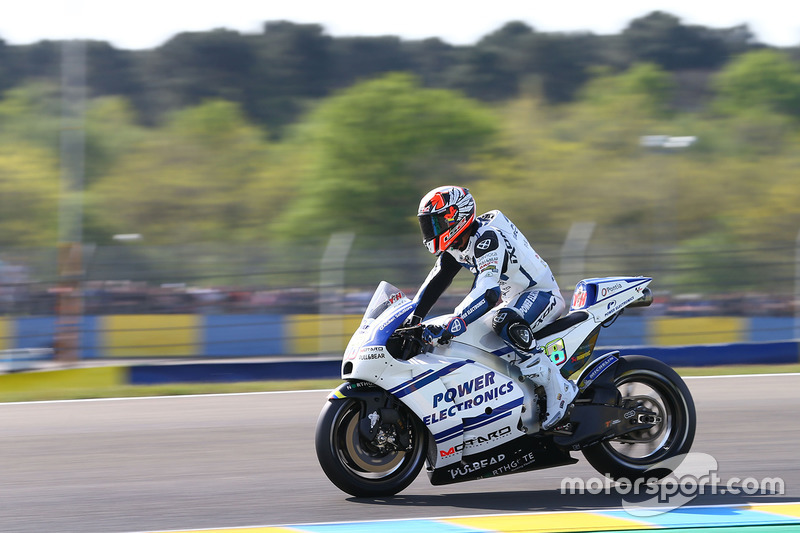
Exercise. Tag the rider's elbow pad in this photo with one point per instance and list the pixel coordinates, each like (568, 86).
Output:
(492, 296)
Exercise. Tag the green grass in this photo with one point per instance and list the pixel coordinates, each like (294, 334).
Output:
(172, 389)
(179, 389)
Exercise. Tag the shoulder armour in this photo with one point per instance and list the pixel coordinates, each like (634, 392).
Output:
(485, 242)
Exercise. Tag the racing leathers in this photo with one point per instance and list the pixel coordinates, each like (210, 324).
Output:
(509, 276)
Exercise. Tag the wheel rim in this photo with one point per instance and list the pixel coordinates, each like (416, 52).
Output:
(650, 391)
(362, 458)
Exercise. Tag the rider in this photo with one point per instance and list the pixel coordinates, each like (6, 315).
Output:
(507, 270)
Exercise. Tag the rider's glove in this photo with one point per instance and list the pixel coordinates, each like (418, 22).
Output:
(442, 334)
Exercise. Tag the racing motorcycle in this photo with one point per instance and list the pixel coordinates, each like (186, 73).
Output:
(466, 410)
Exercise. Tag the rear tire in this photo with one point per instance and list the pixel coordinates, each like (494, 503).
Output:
(650, 383)
(358, 466)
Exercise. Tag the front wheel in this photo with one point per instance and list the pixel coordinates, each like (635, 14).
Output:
(381, 466)
(648, 385)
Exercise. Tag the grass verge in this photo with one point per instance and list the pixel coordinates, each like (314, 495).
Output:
(172, 389)
(182, 389)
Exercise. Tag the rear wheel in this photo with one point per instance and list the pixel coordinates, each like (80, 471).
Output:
(655, 391)
(381, 466)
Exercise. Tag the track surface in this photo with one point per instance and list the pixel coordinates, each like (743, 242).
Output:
(239, 460)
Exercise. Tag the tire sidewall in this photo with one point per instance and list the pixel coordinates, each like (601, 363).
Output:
(613, 466)
(326, 443)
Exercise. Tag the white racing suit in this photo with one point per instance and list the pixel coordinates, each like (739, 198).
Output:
(509, 276)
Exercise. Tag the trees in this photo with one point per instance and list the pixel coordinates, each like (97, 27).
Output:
(375, 148)
(561, 62)
(194, 181)
(292, 66)
(275, 75)
(247, 134)
(764, 80)
(192, 67)
(661, 38)
(29, 187)
(355, 59)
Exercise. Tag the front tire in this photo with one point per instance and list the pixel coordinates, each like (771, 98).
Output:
(362, 467)
(649, 384)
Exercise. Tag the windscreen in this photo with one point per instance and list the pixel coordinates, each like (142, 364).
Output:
(385, 296)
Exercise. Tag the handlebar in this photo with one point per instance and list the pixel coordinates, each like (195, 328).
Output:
(412, 343)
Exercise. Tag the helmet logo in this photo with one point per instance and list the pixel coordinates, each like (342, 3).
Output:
(438, 201)
(450, 216)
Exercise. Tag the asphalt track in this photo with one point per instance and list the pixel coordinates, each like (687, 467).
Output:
(227, 461)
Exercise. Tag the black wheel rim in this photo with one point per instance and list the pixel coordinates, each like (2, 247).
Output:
(360, 457)
(655, 393)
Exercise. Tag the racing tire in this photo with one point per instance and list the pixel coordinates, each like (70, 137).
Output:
(661, 390)
(356, 465)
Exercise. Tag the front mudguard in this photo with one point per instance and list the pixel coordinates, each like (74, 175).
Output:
(356, 389)
(378, 407)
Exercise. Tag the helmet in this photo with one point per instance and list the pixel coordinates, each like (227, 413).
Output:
(445, 214)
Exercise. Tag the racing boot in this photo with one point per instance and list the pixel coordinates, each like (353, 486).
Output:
(559, 392)
(536, 366)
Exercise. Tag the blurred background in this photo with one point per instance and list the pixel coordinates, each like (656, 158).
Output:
(240, 194)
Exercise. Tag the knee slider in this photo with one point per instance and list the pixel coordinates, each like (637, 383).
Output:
(520, 334)
(512, 328)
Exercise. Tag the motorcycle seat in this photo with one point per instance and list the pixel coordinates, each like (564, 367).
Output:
(561, 324)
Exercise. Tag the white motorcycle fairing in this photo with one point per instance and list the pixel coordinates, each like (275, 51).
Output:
(464, 408)
(467, 393)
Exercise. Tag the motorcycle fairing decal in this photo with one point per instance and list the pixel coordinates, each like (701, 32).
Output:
(521, 454)
(486, 421)
(427, 377)
(590, 292)
(503, 351)
(477, 422)
(383, 330)
(603, 296)
(345, 390)
(448, 434)
(497, 414)
(593, 371)
(394, 390)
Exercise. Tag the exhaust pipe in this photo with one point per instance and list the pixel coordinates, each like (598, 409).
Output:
(645, 300)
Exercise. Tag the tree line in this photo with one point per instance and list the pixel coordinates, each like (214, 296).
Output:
(211, 139)
(273, 75)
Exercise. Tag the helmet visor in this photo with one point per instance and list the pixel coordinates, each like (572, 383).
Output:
(432, 226)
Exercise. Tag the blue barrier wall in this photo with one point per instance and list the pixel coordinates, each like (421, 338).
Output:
(39, 332)
(692, 356)
(766, 329)
(244, 335)
(722, 354)
(222, 336)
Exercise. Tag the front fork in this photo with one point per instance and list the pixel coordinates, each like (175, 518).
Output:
(381, 422)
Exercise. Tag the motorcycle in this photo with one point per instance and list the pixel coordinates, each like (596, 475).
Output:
(467, 411)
